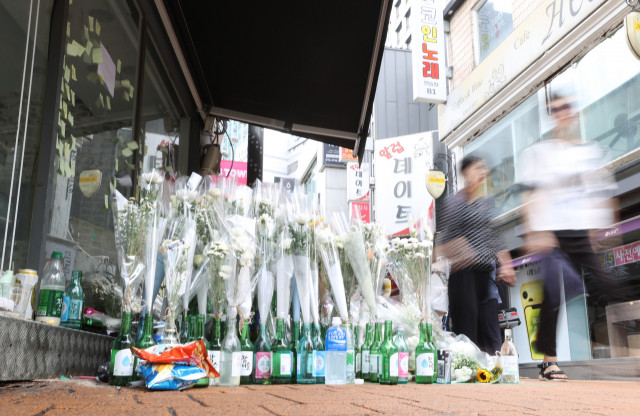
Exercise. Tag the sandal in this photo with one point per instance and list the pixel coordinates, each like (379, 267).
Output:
(549, 376)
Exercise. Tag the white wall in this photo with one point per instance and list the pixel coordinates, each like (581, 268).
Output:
(276, 155)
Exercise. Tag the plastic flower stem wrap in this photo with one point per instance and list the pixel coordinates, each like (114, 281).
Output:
(353, 241)
(178, 269)
(326, 241)
(241, 284)
(183, 202)
(284, 272)
(217, 271)
(151, 185)
(132, 228)
(265, 293)
(375, 244)
(300, 230)
(315, 225)
(410, 261)
(264, 210)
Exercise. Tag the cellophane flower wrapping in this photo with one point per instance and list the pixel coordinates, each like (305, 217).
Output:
(284, 273)
(133, 223)
(151, 187)
(300, 230)
(178, 255)
(352, 239)
(218, 271)
(241, 283)
(375, 244)
(326, 242)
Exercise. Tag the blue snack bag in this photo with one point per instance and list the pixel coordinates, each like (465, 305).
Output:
(170, 376)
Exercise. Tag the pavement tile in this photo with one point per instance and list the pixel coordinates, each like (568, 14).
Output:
(222, 410)
(103, 410)
(24, 409)
(324, 410)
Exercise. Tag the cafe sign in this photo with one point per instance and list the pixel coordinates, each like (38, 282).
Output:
(89, 182)
(546, 25)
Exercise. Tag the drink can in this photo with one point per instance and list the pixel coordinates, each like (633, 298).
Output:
(444, 367)
(28, 277)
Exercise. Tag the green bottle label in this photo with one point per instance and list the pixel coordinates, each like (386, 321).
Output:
(50, 303)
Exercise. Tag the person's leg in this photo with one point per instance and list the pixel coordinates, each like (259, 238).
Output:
(549, 310)
(463, 304)
(489, 331)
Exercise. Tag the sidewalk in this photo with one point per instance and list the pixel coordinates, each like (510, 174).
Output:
(73, 397)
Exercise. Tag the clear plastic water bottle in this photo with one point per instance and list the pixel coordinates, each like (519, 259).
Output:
(336, 353)
(52, 292)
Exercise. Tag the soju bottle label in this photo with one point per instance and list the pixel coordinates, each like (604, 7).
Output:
(285, 364)
(236, 364)
(393, 365)
(122, 362)
(263, 364)
(246, 363)
(425, 364)
(65, 309)
(366, 357)
(510, 372)
(299, 363)
(403, 364)
(350, 361)
(358, 361)
(373, 363)
(75, 309)
(214, 356)
(50, 303)
(318, 363)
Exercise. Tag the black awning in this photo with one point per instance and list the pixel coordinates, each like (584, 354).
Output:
(306, 68)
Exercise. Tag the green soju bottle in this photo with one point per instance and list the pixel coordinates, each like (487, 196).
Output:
(304, 360)
(121, 357)
(191, 332)
(214, 348)
(403, 356)
(199, 334)
(366, 352)
(281, 356)
(73, 302)
(262, 353)
(246, 352)
(375, 367)
(295, 332)
(318, 355)
(146, 341)
(389, 357)
(426, 356)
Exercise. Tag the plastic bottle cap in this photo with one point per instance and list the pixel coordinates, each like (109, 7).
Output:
(400, 327)
(56, 255)
(336, 320)
(359, 381)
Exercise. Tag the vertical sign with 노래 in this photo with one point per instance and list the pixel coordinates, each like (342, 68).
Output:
(357, 182)
(401, 165)
(429, 68)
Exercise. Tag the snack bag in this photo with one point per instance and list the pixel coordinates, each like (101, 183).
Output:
(193, 354)
(170, 376)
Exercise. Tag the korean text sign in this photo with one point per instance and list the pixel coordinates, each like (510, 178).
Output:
(401, 164)
(428, 52)
(357, 182)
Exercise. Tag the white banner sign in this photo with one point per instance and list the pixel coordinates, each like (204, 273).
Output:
(401, 166)
(357, 182)
(427, 56)
(546, 25)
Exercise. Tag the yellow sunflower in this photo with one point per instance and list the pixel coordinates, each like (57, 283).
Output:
(483, 376)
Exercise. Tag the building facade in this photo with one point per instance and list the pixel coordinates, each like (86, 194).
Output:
(508, 58)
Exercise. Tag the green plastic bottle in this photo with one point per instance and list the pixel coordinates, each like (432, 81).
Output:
(375, 367)
(50, 301)
(389, 357)
(122, 360)
(73, 302)
(281, 356)
(426, 357)
(246, 352)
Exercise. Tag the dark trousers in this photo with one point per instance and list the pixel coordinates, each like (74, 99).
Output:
(489, 337)
(466, 287)
(580, 253)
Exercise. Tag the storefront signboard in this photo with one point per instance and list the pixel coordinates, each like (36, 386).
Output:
(401, 164)
(362, 209)
(238, 170)
(546, 25)
(90, 182)
(436, 182)
(346, 155)
(331, 155)
(429, 68)
(357, 182)
(619, 256)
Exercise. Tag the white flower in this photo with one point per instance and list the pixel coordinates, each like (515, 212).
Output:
(418, 256)
(413, 240)
(428, 234)
(396, 241)
(286, 243)
(152, 177)
(225, 269)
(301, 218)
(215, 193)
(186, 195)
(237, 232)
(408, 246)
(246, 258)
(463, 348)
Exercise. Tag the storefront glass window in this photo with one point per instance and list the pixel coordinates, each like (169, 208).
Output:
(96, 122)
(161, 114)
(494, 22)
(24, 26)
